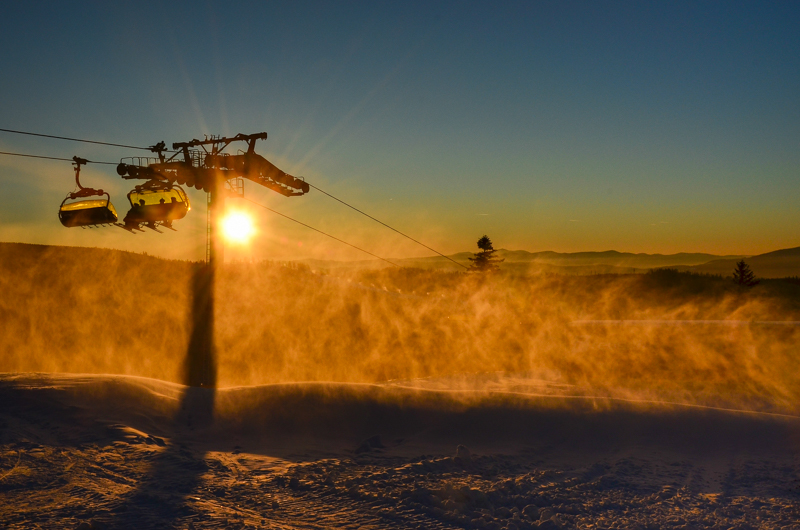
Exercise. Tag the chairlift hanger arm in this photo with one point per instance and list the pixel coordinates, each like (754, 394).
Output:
(82, 191)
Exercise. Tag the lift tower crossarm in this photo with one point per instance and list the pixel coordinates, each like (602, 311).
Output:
(215, 142)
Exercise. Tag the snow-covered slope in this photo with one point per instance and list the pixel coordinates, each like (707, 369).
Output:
(124, 452)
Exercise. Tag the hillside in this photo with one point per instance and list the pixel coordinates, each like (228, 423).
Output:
(608, 262)
(778, 264)
(116, 452)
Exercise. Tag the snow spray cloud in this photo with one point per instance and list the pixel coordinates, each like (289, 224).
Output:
(446, 330)
(88, 310)
(99, 311)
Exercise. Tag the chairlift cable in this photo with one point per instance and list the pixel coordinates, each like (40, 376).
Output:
(55, 158)
(75, 139)
(321, 232)
(387, 226)
(310, 185)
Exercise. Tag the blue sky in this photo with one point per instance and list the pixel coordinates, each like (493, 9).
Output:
(568, 126)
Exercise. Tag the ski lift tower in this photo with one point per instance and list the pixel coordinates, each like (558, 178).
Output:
(220, 174)
(204, 165)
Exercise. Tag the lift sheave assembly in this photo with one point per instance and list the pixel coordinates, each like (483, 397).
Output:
(209, 169)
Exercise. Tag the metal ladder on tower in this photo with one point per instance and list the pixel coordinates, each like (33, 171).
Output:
(208, 228)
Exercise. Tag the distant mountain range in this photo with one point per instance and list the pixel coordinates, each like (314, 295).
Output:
(777, 264)
(609, 261)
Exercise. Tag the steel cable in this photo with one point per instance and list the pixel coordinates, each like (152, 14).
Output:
(321, 232)
(55, 158)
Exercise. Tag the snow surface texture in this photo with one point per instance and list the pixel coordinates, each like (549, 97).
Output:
(124, 452)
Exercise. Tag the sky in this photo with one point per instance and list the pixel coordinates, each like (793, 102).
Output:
(655, 127)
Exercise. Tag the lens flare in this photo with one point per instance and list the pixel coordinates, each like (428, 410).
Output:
(238, 227)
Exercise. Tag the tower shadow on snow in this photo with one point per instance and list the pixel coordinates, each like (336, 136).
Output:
(161, 498)
(199, 367)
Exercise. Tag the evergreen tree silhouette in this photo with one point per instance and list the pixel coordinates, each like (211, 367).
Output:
(485, 260)
(743, 276)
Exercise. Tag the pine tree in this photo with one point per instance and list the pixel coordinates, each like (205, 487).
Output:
(485, 260)
(743, 276)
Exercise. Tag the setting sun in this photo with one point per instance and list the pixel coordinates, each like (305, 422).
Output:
(238, 227)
